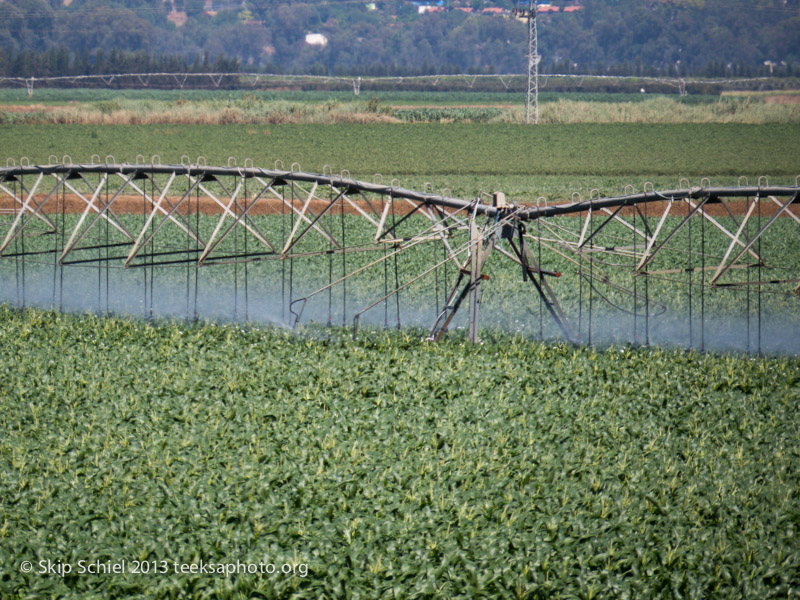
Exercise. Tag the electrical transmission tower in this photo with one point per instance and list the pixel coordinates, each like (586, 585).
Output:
(532, 97)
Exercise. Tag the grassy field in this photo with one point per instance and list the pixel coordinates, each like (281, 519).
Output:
(202, 107)
(386, 467)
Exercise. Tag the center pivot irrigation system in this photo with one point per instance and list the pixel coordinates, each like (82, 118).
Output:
(681, 260)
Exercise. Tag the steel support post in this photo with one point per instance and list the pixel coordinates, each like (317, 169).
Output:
(474, 275)
(478, 256)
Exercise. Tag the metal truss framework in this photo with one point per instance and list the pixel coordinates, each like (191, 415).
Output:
(629, 233)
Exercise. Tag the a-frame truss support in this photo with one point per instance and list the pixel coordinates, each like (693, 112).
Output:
(467, 284)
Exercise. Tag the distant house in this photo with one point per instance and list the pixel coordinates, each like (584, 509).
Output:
(177, 17)
(571, 9)
(547, 8)
(494, 10)
(466, 9)
(316, 39)
(431, 6)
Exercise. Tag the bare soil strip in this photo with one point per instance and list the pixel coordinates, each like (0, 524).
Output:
(29, 108)
(135, 204)
(72, 204)
(783, 99)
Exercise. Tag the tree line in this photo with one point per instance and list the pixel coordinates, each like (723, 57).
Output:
(719, 38)
(61, 62)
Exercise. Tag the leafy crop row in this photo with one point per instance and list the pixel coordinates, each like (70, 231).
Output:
(393, 468)
(439, 151)
(446, 115)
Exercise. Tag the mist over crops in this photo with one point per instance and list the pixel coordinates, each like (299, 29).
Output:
(286, 293)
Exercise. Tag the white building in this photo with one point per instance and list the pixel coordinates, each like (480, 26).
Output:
(316, 39)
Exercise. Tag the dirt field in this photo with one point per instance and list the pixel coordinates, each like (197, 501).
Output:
(783, 99)
(29, 108)
(773, 97)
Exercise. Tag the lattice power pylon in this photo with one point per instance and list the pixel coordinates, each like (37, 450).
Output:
(244, 242)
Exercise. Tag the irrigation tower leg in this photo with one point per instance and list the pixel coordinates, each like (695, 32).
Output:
(477, 259)
(474, 277)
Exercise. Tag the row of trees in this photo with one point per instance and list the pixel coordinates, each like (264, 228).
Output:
(626, 37)
(61, 62)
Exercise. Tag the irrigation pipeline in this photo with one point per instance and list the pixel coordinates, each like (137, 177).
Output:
(340, 181)
(242, 79)
(638, 269)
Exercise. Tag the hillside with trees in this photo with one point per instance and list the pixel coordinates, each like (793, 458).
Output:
(398, 37)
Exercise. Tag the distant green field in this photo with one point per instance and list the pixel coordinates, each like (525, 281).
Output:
(527, 162)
